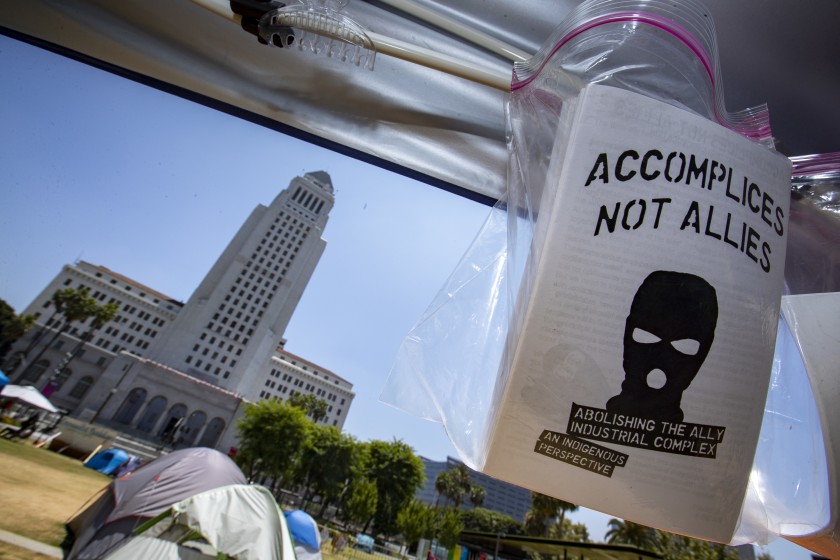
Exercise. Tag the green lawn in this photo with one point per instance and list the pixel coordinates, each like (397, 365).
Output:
(10, 552)
(41, 490)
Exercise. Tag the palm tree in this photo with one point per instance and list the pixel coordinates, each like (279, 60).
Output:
(544, 509)
(12, 327)
(627, 532)
(102, 315)
(314, 407)
(477, 495)
(455, 485)
(564, 507)
(57, 301)
(443, 482)
(73, 306)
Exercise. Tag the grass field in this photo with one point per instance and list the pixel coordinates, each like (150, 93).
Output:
(40, 490)
(9, 552)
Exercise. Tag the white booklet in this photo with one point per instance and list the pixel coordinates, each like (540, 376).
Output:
(639, 375)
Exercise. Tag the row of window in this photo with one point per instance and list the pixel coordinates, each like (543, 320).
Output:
(268, 395)
(208, 366)
(270, 251)
(296, 382)
(100, 296)
(304, 368)
(127, 287)
(33, 373)
(308, 200)
(220, 342)
(213, 328)
(114, 335)
(117, 348)
(285, 222)
(236, 319)
(249, 297)
(59, 344)
(137, 327)
(143, 315)
(126, 337)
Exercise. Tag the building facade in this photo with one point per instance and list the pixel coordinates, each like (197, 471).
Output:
(236, 317)
(501, 497)
(143, 314)
(289, 374)
(163, 368)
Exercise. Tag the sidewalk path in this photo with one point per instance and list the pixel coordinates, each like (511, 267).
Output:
(30, 544)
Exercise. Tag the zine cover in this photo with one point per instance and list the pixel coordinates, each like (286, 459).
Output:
(638, 379)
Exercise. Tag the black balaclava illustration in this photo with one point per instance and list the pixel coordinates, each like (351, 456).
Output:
(667, 336)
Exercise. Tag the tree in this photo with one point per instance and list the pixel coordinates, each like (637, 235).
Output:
(12, 327)
(271, 435)
(669, 545)
(477, 495)
(102, 315)
(573, 532)
(360, 502)
(443, 484)
(58, 300)
(627, 532)
(415, 521)
(314, 407)
(564, 507)
(678, 547)
(397, 473)
(449, 527)
(544, 510)
(328, 461)
(456, 485)
(489, 521)
(71, 306)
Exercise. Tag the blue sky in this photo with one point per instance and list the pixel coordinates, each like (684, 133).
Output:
(101, 169)
(98, 168)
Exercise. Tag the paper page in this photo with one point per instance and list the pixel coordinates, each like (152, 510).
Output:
(639, 376)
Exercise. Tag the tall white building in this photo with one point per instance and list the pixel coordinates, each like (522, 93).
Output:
(233, 321)
(161, 362)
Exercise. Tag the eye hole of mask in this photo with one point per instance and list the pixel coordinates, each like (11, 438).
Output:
(644, 337)
(687, 346)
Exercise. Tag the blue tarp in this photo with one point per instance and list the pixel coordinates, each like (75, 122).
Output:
(3, 380)
(107, 461)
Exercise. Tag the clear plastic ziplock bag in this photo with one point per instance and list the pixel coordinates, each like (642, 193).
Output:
(793, 485)
(610, 341)
(813, 263)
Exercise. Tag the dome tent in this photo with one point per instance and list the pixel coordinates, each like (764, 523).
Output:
(108, 461)
(131, 500)
(305, 533)
(236, 521)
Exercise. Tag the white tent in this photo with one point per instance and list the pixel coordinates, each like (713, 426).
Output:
(240, 521)
(28, 395)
